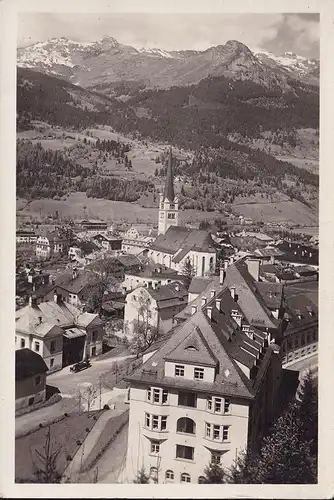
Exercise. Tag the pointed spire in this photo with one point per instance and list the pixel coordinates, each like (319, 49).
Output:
(169, 187)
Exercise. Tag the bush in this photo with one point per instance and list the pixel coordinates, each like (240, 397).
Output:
(106, 407)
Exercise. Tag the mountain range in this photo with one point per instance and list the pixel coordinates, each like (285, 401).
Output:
(103, 64)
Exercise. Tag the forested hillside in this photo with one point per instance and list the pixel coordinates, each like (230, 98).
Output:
(43, 173)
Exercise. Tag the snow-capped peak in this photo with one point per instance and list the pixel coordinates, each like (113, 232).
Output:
(156, 52)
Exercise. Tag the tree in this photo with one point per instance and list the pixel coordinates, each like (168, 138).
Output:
(47, 469)
(214, 474)
(142, 477)
(307, 398)
(144, 331)
(188, 272)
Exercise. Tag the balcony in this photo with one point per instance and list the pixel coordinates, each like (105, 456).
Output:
(155, 433)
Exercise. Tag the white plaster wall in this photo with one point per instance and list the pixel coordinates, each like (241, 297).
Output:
(138, 454)
(209, 372)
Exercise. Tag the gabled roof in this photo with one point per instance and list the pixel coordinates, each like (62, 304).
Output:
(301, 312)
(193, 349)
(229, 379)
(271, 293)
(75, 285)
(171, 241)
(28, 364)
(88, 319)
(249, 298)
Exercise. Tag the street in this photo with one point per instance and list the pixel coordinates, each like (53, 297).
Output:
(69, 384)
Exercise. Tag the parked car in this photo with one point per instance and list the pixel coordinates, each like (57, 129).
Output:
(82, 365)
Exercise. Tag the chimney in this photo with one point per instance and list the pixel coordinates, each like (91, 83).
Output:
(221, 276)
(272, 259)
(209, 312)
(74, 273)
(231, 259)
(55, 297)
(203, 301)
(232, 290)
(253, 266)
(212, 293)
(193, 309)
(218, 304)
(226, 263)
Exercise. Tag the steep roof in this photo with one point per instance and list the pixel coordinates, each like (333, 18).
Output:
(178, 238)
(300, 311)
(168, 295)
(271, 293)
(193, 348)
(229, 379)
(28, 364)
(249, 299)
(169, 186)
(75, 285)
(198, 284)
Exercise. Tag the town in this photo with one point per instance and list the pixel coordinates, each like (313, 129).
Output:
(158, 352)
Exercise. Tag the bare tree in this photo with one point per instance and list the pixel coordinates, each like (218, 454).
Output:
(144, 331)
(47, 469)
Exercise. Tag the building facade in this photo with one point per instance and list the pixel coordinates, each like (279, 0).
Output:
(210, 391)
(30, 378)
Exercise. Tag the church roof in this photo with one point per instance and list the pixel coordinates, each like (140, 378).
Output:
(178, 238)
(169, 186)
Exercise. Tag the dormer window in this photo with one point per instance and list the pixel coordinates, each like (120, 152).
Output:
(198, 373)
(191, 348)
(179, 370)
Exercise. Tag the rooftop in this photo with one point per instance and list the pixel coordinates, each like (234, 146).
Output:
(28, 363)
(178, 238)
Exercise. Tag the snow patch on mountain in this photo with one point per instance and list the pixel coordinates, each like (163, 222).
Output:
(156, 52)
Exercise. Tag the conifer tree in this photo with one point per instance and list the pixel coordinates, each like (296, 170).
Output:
(188, 272)
(142, 477)
(214, 474)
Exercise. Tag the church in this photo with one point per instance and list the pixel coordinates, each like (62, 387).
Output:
(175, 244)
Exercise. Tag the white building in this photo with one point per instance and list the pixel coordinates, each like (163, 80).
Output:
(50, 244)
(156, 307)
(151, 275)
(209, 391)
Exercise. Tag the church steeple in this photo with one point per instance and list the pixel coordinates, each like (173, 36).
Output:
(168, 205)
(169, 186)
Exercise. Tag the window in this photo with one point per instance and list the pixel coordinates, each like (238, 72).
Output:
(169, 475)
(186, 425)
(185, 452)
(201, 480)
(296, 342)
(38, 380)
(217, 432)
(37, 346)
(187, 399)
(227, 405)
(217, 405)
(53, 346)
(15, 339)
(155, 422)
(171, 216)
(155, 447)
(302, 341)
(94, 336)
(199, 373)
(185, 478)
(179, 371)
(23, 343)
(215, 458)
(314, 335)
(156, 395)
(52, 360)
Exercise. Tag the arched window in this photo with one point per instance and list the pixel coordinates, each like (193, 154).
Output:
(211, 265)
(186, 425)
(169, 475)
(201, 480)
(185, 478)
(203, 265)
(154, 474)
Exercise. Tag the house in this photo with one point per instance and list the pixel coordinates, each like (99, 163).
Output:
(208, 392)
(73, 287)
(138, 238)
(149, 275)
(154, 306)
(300, 323)
(30, 378)
(25, 236)
(108, 242)
(59, 332)
(297, 253)
(93, 225)
(50, 244)
(80, 249)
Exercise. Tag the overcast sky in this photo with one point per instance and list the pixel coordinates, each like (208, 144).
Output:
(277, 33)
